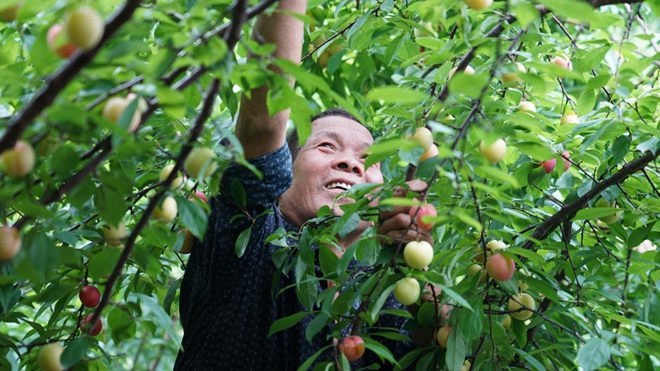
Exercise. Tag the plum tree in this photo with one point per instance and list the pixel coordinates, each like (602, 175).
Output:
(19, 160)
(10, 242)
(418, 254)
(494, 152)
(184, 69)
(352, 347)
(90, 296)
(48, 357)
(84, 28)
(407, 290)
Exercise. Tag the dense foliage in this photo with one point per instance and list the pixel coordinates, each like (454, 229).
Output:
(589, 265)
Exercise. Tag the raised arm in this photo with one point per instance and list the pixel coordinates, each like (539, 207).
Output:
(258, 132)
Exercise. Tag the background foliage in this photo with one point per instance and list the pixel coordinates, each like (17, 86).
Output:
(597, 293)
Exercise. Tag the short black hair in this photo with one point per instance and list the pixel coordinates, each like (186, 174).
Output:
(292, 137)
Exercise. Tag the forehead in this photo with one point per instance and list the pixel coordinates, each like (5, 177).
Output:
(342, 129)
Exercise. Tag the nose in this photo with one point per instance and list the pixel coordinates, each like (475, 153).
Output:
(350, 165)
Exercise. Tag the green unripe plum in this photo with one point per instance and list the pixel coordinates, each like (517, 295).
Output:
(494, 152)
(114, 236)
(18, 160)
(518, 302)
(196, 160)
(166, 211)
(418, 254)
(48, 357)
(84, 28)
(407, 291)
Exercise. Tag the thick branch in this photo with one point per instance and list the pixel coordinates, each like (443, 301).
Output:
(567, 212)
(126, 252)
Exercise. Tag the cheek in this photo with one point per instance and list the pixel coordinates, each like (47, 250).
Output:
(374, 175)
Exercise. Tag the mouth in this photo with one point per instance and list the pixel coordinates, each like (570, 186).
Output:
(339, 185)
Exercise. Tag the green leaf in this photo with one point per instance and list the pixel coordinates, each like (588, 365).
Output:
(374, 309)
(526, 13)
(122, 324)
(381, 351)
(580, 10)
(595, 212)
(468, 85)
(238, 193)
(491, 172)
(347, 223)
(44, 255)
(193, 216)
(454, 295)
(316, 325)
(593, 354)
(242, 241)
(102, 264)
(396, 94)
(308, 363)
(598, 81)
(172, 102)
(586, 102)
(620, 148)
(110, 204)
(470, 324)
(171, 295)
(75, 351)
(64, 161)
(639, 235)
(456, 349)
(286, 322)
(328, 260)
(529, 358)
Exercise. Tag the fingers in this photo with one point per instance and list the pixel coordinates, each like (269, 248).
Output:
(401, 235)
(415, 185)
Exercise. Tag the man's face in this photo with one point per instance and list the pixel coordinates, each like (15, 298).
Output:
(331, 162)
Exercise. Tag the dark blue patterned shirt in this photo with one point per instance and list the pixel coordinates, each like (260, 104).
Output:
(226, 303)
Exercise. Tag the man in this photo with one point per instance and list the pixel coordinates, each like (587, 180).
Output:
(226, 302)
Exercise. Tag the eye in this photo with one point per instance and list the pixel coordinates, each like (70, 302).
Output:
(327, 145)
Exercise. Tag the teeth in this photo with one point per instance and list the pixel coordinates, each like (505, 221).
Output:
(343, 186)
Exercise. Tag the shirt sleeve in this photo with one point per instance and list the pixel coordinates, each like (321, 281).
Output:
(276, 171)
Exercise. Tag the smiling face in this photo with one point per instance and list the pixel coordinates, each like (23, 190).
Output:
(329, 163)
